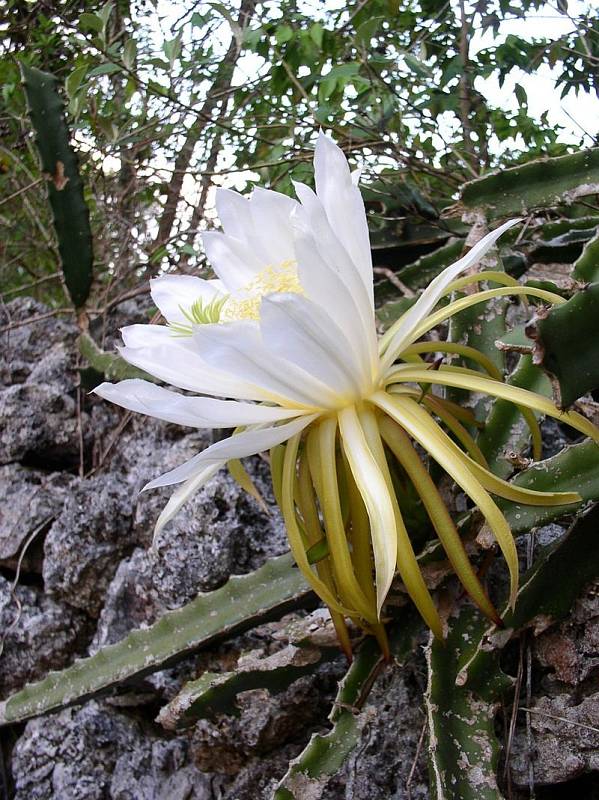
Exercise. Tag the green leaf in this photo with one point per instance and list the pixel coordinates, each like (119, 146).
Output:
(520, 93)
(74, 81)
(130, 53)
(91, 22)
(417, 66)
(367, 29)
(544, 183)
(317, 34)
(172, 50)
(283, 34)
(105, 12)
(243, 602)
(65, 189)
(326, 88)
(104, 69)
(567, 344)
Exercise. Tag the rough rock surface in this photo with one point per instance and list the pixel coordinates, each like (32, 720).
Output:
(32, 500)
(95, 752)
(38, 633)
(38, 398)
(86, 542)
(563, 741)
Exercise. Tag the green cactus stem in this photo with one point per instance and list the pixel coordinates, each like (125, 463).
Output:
(216, 692)
(544, 183)
(465, 680)
(110, 365)
(586, 266)
(65, 189)
(547, 593)
(243, 602)
(567, 345)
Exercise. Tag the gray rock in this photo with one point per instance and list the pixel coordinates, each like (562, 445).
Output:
(39, 426)
(549, 534)
(97, 753)
(265, 723)
(565, 741)
(570, 651)
(31, 500)
(39, 634)
(87, 541)
(26, 348)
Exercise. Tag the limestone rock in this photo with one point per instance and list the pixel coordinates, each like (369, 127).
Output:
(31, 500)
(97, 753)
(39, 634)
(86, 542)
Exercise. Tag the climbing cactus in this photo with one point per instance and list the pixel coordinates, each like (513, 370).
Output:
(241, 603)
(65, 189)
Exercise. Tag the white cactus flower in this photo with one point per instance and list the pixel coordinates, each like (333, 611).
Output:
(283, 347)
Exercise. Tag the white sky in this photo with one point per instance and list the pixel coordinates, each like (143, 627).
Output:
(575, 114)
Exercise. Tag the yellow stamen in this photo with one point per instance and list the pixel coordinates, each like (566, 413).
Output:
(246, 303)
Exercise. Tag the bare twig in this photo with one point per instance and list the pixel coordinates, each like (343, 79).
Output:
(13, 587)
(104, 455)
(512, 725)
(397, 282)
(20, 323)
(530, 552)
(21, 191)
(54, 276)
(573, 722)
(415, 761)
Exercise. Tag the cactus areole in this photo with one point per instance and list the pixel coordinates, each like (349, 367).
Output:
(283, 347)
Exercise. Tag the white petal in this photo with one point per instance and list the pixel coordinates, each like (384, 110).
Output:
(177, 362)
(311, 218)
(271, 214)
(195, 412)
(173, 292)
(232, 260)
(182, 495)
(326, 288)
(240, 445)
(343, 204)
(234, 213)
(238, 220)
(239, 349)
(258, 234)
(149, 335)
(299, 331)
(429, 298)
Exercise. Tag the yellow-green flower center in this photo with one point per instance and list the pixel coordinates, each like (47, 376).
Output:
(245, 304)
